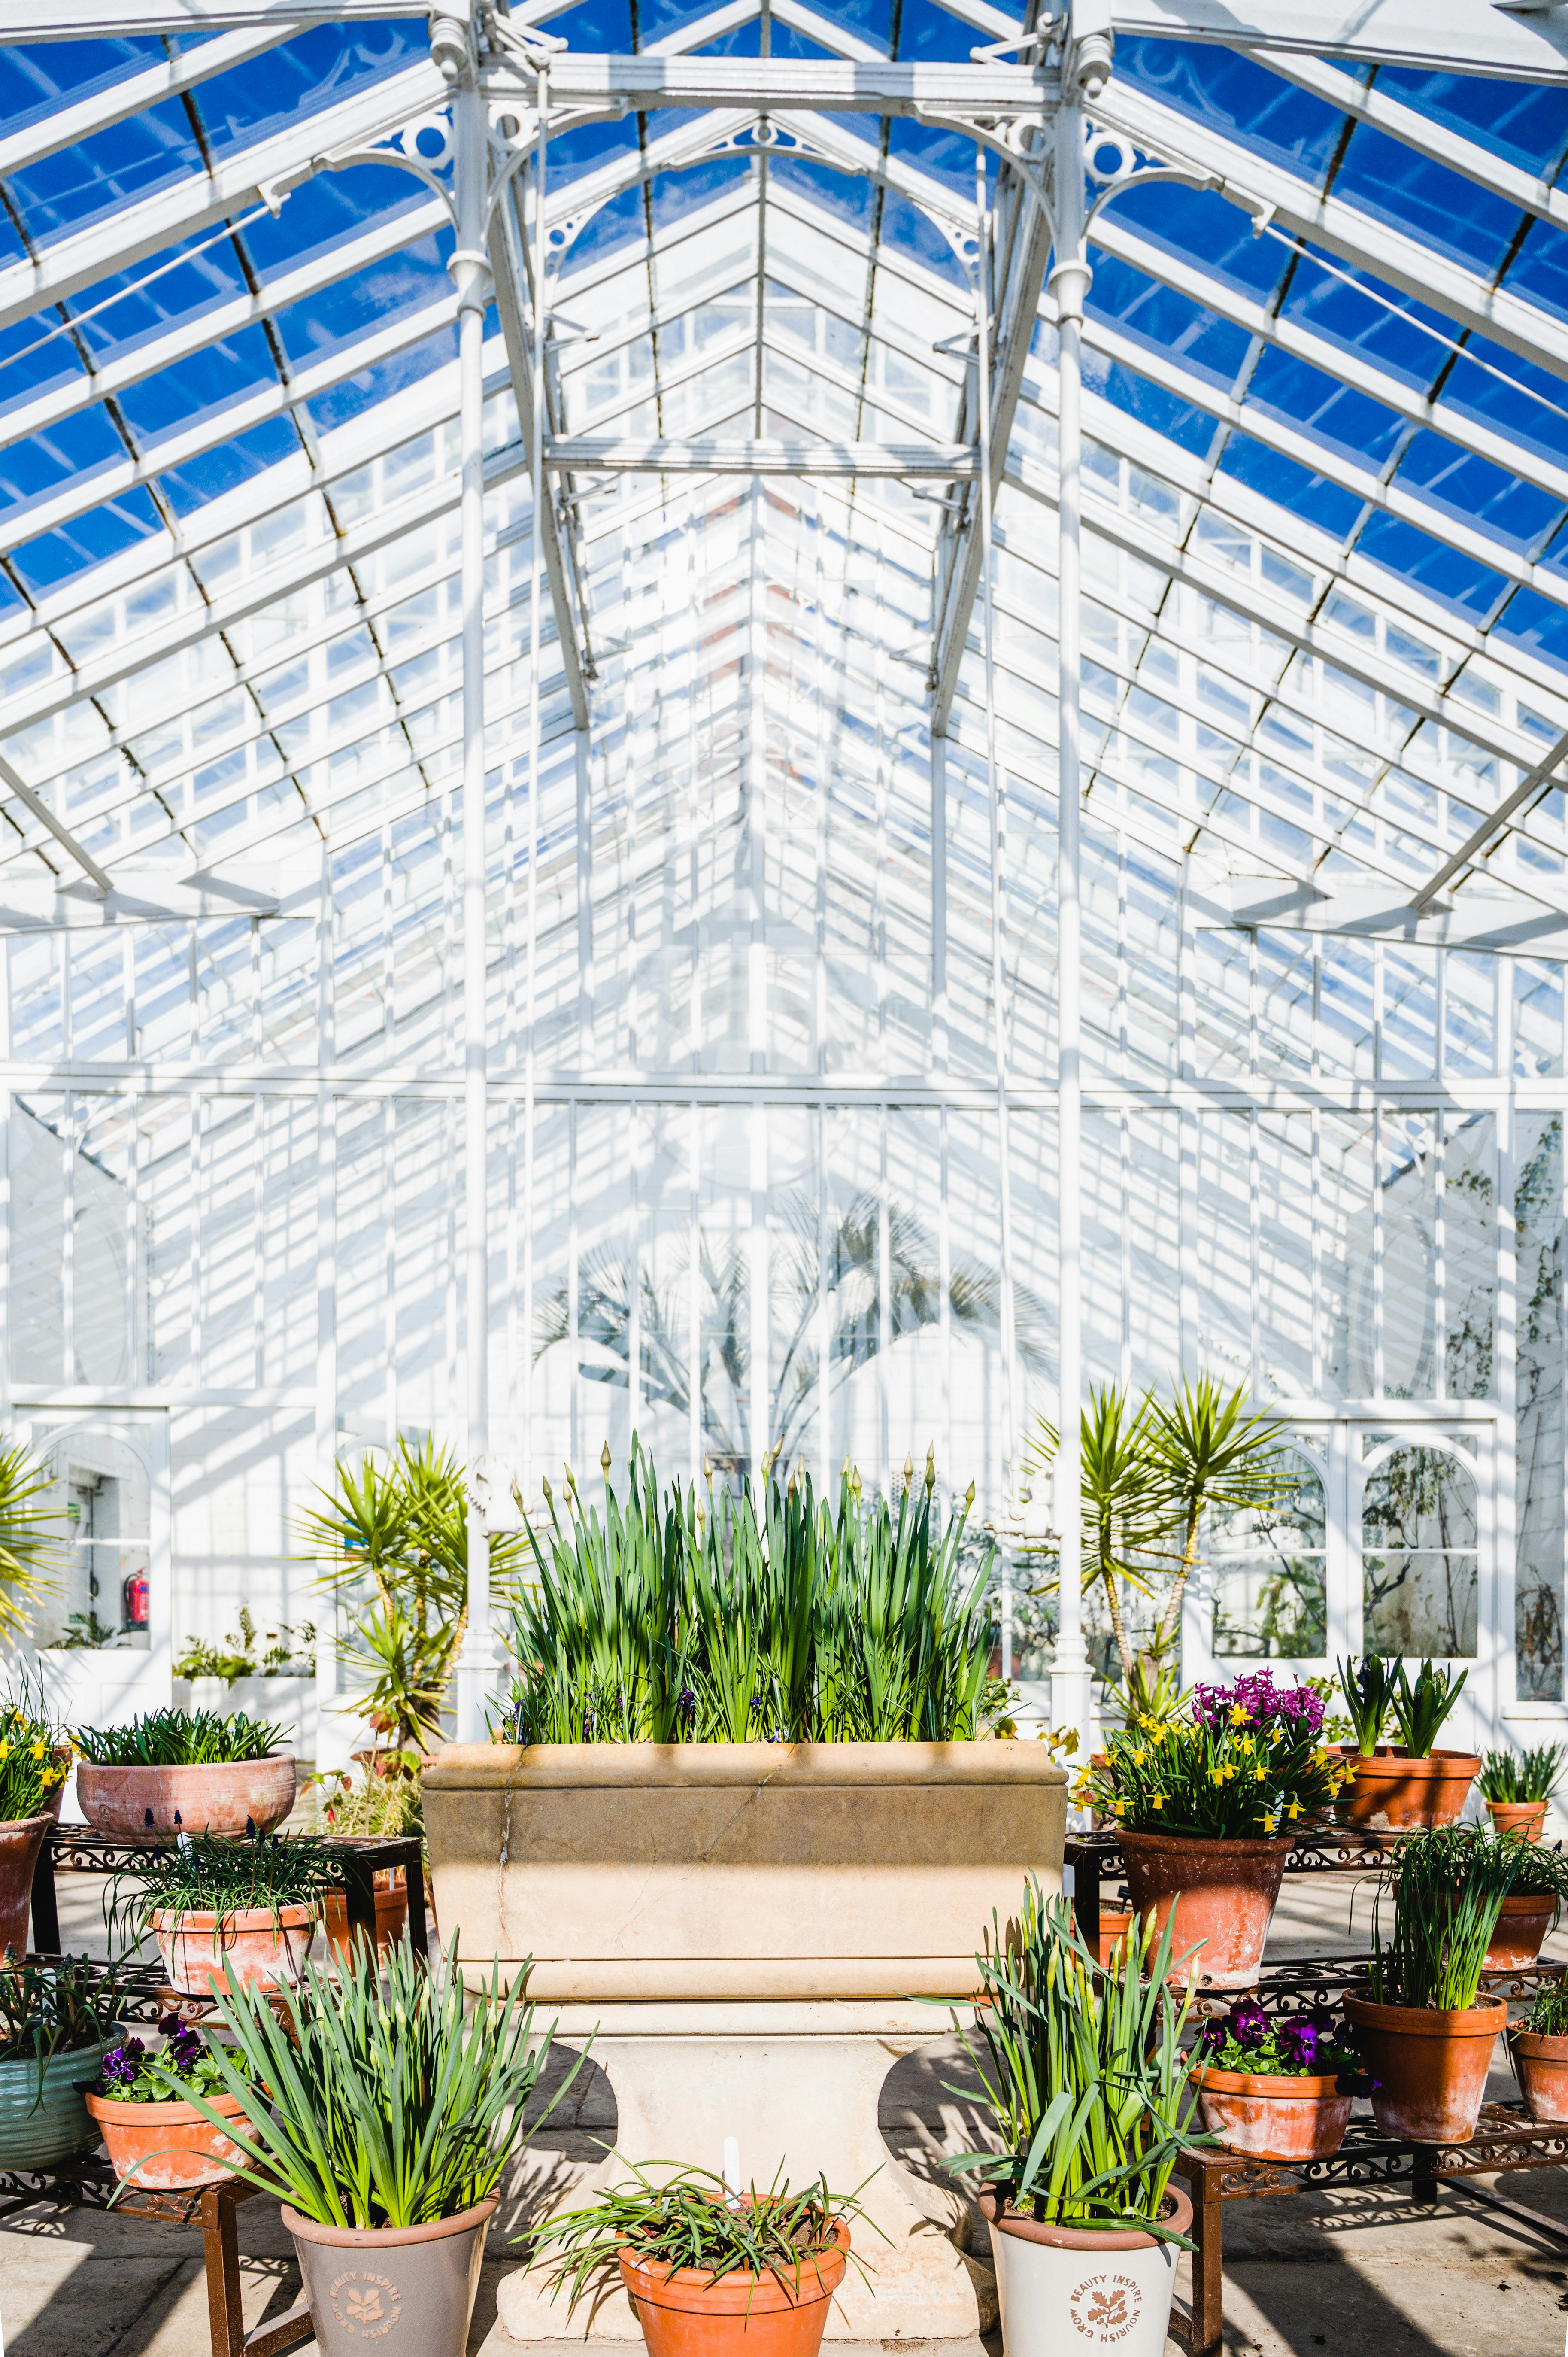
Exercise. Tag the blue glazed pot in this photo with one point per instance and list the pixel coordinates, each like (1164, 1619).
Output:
(34, 2132)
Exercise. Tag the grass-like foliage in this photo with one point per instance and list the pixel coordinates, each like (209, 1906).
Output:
(1420, 1710)
(57, 2008)
(1531, 1776)
(377, 2097)
(211, 1874)
(1083, 2072)
(1548, 2015)
(179, 1738)
(663, 1622)
(1448, 1889)
(1248, 1762)
(692, 2220)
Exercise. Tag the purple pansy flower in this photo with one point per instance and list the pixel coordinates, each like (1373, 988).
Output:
(1248, 2024)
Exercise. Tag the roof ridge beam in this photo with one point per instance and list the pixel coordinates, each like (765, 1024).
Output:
(697, 454)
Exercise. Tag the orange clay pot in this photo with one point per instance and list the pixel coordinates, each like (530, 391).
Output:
(1116, 1923)
(222, 1797)
(267, 1951)
(162, 2146)
(21, 1839)
(1526, 1817)
(1541, 2066)
(391, 1895)
(1432, 2067)
(1272, 2118)
(1395, 1793)
(683, 2314)
(1523, 1924)
(1220, 1893)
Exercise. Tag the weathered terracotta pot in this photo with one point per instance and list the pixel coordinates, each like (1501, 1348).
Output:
(1526, 1817)
(1432, 2067)
(1221, 1893)
(1541, 2066)
(683, 2314)
(1116, 1923)
(21, 1839)
(1063, 2288)
(267, 1951)
(217, 1799)
(1271, 2117)
(1523, 1924)
(1395, 1793)
(409, 2291)
(391, 1894)
(164, 2146)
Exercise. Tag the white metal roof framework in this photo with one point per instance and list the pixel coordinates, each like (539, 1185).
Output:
(1274, 295)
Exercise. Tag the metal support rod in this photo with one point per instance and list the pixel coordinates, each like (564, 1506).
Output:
(469, 266)
(1071, 1695)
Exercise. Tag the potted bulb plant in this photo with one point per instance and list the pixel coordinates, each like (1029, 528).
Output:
(1423, 2030)
(154, 2133)
(1408, 1786)
(1516, 1790)
(178, 1772)
(382, 1801)
(33, 1765)
(1276, 2089)
(1538, 2049)
(1208, 1807)
(710, 2272)
(251, 1905)
(381, 2108)
(1091, 2094)
(55, 2022)
(1534, 1901)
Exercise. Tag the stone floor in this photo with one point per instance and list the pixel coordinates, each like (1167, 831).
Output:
(1358, 2272)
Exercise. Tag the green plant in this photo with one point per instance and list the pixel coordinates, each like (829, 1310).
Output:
(1083, 2073)
(179, 1738)
(1126, 1498)
(207, 1873)
(30, 1545)
(236, 1655)
(1548, 2015)
(1420, 1710)
(84, 1629)
(35, 1753)
(1292, 2046)
(692, 2220)
(386, 2095)
(132, 2073)
(1218, 1456)
(49, 2009)
(1249, 1761)
(1336, 1727)
(1508, 1776)
(384, 1801)
(1447, 1888)
(1368, 1686)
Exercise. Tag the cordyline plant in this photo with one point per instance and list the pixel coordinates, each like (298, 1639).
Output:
(666, 1621)
(1248, 1762)
(385, 2096)
(30, 1537)
(1083, 2072)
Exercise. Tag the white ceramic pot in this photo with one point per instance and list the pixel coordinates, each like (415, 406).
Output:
(1063, 2289)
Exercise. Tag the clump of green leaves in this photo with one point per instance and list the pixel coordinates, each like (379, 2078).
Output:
(1548, 2015)
(179, 1738)
(1083, 2071)
(662, 1620)
(211, 1874)
(1249, 1761)
(30, 1539)
(1421, 1710)
(692, 2220)
(134, 2073)
(1368, 1686)
(249, 1652)
(1447, 1889)
(55, 2008)
(35, 1753)
(1533, 1776)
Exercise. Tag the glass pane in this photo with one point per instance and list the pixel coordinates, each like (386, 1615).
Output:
(1418, 1498)
(1537, 1595)
(1419, 1604)
(1276, 1608)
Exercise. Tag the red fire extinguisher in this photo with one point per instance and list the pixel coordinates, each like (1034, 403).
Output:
(135, 1593)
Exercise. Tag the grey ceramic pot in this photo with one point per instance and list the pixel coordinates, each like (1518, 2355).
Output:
(406, 2291)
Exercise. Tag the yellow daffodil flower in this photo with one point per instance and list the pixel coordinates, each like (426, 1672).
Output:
(1239, 1718)
(1137, 1759)
(1216, 1775)
(1246, 1743)
(1294, 1810)
(1157, 1800)
(1259, 1775)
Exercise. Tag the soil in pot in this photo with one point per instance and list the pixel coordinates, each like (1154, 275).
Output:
(1432, 2067)
(1272, 2116)
(266, 1948)
(162, 2146)
(1524, 1922)
(1221, 1893)
(222, 1797)
(1541, 2066)
(1395, 1791)
(683, 2314)
(21, 1839)
(408, 2289)
(1526, 1817)
(1065, 2288)
(34, 2132)
(391, 1896)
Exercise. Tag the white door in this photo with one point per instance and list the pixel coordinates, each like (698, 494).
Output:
(104, 1636)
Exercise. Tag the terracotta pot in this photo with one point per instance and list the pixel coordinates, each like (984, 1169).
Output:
(267, 1951)
(391, 1894)
(1432, 2066)
(1271, 2118)
(166, 2145)
(407, 2290)
(1063, 2288)
(21, 1839)
(219, 1799)
(1114, 1924)
(1395, 1793)
(1526, 1817)
(1221, 1894)
(1523, 1924)
(683, 2314)
(1541, 2066)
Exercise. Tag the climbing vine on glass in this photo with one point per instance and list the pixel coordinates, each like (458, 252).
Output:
(1249, 1761)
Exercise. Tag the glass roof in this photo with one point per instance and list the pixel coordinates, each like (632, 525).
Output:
(1325, 484)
